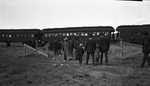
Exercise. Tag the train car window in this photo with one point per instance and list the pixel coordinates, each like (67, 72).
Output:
(98, 33)
(86, 34)
(28, 35)
(60, 34)
(53, 34)
(102, 33)
(71, 34)
(25, 35)
(56, 34)
(67, 34)
(49, 35)
(9, 36)
(63, 34)
(106, 33)
(32, 35)
(78, 34)
(94, 33)
(6, 35)
(74, 34)
(82, 33)
(3, 35)
(45, 35)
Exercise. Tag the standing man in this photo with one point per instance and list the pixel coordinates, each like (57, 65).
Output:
(80, 52)
(55, 47)
(76, 45)
(90, 48)
(145, 48)
(66, 49)
(97, 52)
(71, 47)
(104, 46)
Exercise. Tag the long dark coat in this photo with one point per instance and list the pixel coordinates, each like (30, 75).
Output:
(104, 44)
(80, 51)
(90, 46)
(145, 44)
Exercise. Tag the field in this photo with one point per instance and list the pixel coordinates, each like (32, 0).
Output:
(37, 70)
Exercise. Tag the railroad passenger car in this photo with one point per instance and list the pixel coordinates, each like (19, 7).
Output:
(18, 35)
(83, 33)
(132, 33)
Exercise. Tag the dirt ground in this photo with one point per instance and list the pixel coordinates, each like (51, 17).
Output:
(37, 70)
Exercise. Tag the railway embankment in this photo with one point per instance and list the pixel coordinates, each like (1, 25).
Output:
(38, 70)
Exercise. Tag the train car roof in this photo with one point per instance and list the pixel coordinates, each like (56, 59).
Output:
(19, 29)
(102, 28)
(147, 26)
(128, 27)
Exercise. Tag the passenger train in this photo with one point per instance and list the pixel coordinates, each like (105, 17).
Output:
(76, 32)
(50, 34)
(127, 33)
(132, 33)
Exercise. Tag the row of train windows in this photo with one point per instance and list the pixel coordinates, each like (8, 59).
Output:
(131, 33)
(18, 35)
(75, 34)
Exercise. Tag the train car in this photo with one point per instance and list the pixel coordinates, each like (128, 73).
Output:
(18, 35)
(132, 33)
(82, 33)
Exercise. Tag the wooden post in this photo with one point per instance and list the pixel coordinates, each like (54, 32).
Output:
(48, 48)
(25, 50)
(121, 43)
(36, 47)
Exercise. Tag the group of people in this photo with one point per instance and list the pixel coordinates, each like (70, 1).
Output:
(95, 49)
(101, 46)
(91, 47)
(56, 47)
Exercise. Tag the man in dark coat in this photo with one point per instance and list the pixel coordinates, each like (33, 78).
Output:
(55, 47)
(76, 46)
(104, 46)
(59, 47)
(145, 48)
(80, 52)
(90, 48)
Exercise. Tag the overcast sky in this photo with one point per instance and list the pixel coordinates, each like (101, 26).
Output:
(18, 14)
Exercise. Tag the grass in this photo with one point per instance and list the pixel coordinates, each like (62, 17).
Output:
(39, 71)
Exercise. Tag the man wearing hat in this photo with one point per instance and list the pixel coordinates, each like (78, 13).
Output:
(145, 48)
(104, 46)
(66, 49)
(90, 48)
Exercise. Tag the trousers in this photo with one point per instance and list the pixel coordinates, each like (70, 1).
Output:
(92, 55)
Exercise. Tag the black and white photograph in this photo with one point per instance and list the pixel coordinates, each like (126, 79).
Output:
(74, 42)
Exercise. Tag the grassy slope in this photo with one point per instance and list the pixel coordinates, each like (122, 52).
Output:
(17, 70)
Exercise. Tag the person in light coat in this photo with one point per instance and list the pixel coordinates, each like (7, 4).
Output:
(67, 50)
